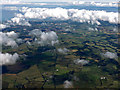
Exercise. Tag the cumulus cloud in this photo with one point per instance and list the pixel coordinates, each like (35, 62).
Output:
(19, 20)
(109, 55)
(92, 29)
(100, 4)
(115, 29)
(8, 38)
(82, 61)
(43, 13)
(45, 38)
(63, 50)
(89, 16)
(49, 38)
(8, 59)
(36, 32)
(94, 16)
(68, 84)
(2, 26)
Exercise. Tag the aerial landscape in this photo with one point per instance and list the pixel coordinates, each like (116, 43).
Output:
(59, 44)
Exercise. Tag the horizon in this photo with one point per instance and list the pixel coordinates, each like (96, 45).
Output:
(25, 1)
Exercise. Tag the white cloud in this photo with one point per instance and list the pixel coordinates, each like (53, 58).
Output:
(92, 29)
(94, 16)
(68, 84)
(63, 50)
(43, 13)
(115, 29)
(2, 26)
(82, 61)
(109, 55)
(19, 21)
(8, 39)
(8, 59)
(89, 16)
(101, 4)
(45, 38)
(49, 38)
(36, 32)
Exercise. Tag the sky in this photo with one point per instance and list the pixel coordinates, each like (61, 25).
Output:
(68, 0)
(61, 0)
